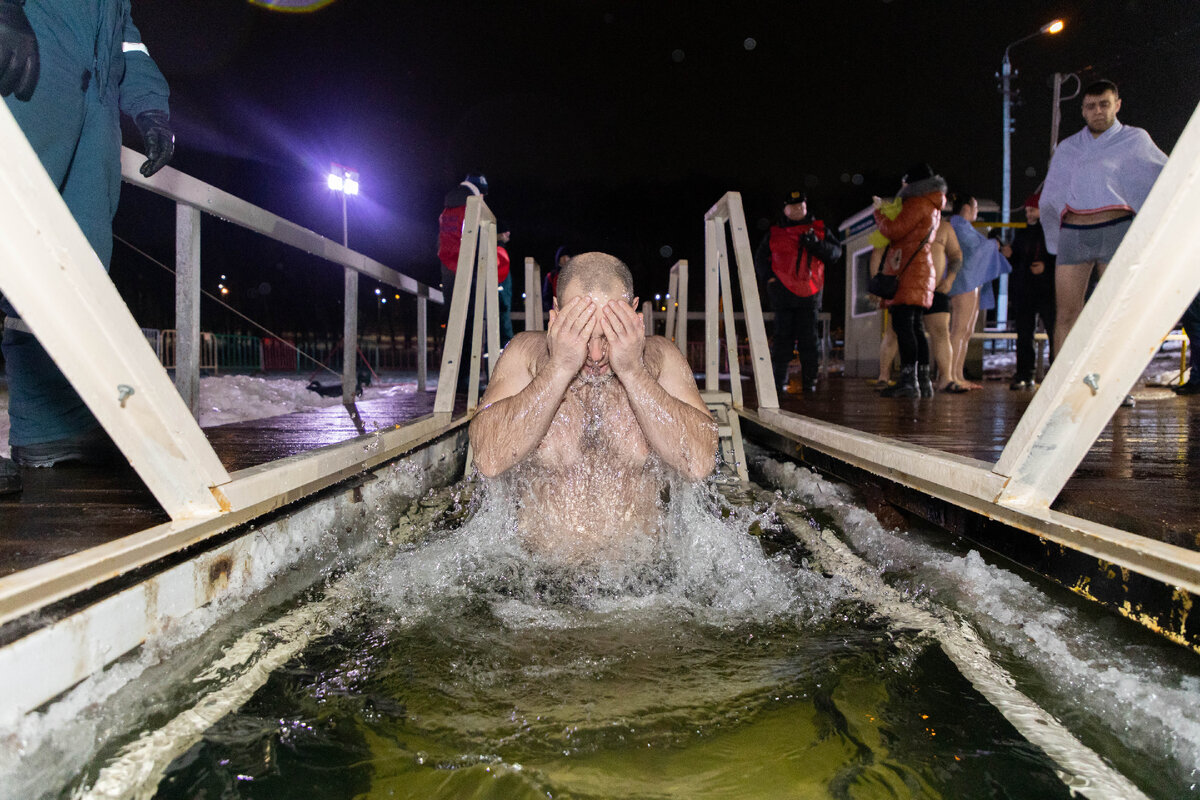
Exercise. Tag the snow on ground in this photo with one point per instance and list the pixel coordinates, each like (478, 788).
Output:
(237, 398)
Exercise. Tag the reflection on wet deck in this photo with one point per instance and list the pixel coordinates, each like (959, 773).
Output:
(68, 509)
(1139, 476)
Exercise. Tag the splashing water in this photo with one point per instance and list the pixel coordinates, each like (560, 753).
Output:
(713, 665)
(710, 666)
(1129, 695)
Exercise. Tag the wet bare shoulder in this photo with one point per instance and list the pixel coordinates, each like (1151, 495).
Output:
(655, 354)
(530, 348)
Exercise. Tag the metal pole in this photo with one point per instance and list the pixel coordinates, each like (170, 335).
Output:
(1006, 178)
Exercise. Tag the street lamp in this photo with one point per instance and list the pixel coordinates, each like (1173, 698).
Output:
(344, 181)
(1006, 72)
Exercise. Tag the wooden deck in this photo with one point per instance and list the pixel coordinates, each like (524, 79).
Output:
(1140, 476)
(70, 508)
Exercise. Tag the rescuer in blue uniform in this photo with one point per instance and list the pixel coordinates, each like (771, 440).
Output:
(68, 68)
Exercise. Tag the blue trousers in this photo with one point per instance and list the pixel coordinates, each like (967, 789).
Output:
(78, 139)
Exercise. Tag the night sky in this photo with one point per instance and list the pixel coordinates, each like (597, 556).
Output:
(608, 125)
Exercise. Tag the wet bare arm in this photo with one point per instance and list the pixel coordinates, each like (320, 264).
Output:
(954, 260)
(519, 406)
(672, 415)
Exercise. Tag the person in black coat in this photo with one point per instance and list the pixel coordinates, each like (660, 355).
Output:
(1031, 292)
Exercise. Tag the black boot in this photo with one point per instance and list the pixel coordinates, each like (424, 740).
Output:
(906, 384)
(924, 384)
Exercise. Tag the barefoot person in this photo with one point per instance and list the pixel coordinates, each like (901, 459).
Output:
(589, 418)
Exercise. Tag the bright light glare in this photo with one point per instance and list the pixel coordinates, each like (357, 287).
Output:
(377, 291)
(335, 182)
(351, 186)
(1053, 27)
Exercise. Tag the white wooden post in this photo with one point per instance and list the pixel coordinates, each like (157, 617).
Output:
(422, 339)
(1150, 281)
(489, 264)
(713, 231)
(52, 276)
(533, 296)
(350, 337)
(731, 352)
(729, 209)
(443, 402)
(476, 335)
(648, 317)
(680, 293)
(187, 306)
(760, 353)
(672, 290)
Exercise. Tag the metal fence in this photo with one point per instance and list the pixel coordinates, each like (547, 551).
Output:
(223, 352)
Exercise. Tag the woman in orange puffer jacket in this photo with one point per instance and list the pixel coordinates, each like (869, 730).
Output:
(910, 256)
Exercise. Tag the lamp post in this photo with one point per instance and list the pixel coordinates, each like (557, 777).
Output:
(1006, 72)
(344, 181)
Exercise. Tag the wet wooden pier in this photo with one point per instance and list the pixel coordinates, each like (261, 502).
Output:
(1139, 476)
(71, 508)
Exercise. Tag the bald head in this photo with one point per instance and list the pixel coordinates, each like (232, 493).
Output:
(587, 273)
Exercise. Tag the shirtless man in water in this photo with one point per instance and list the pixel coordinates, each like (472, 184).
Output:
(585, 417)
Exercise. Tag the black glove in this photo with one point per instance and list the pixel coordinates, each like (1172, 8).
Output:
(158, 138)
(809, 240)
(19, 63)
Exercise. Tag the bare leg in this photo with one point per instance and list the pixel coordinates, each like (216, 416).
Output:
(1070, 286)
(963, 310)
(938, 328)
(888, 347)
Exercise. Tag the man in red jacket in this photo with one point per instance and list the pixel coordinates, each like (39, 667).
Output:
(792, 258)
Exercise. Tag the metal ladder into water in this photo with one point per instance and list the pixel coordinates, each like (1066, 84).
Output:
(729, 431)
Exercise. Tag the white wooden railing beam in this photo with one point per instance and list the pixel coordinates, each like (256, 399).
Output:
(181, 188)
(1144, 291)
(729, 209)
(473, 259)
(52, 276)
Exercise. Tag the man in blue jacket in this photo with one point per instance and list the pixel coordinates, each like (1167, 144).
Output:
(68, 69)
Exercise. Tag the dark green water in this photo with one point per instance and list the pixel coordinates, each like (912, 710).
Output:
(715, 672)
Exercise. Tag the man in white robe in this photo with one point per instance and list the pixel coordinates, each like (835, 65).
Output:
(1097, 181)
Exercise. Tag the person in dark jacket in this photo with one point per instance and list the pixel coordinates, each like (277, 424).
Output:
(504, 278)
(1031, 292)
(68, 70)
(791, 259)
(550, 282)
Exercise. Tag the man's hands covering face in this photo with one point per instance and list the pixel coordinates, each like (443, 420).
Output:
(626, 335)
(568, 333)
